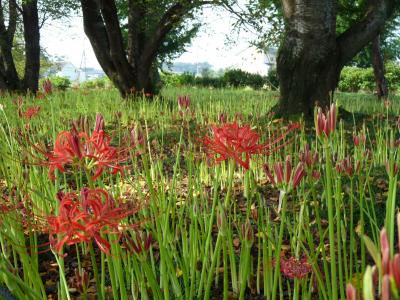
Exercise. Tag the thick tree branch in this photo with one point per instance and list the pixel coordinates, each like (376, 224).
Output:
(113, 29)
(136, 37)
(288, 7)
(3, 29)
(361, 33)
(173, 16)
(379, 68)
(96, 32)
(32, 45)
(8, 66)
(12, 20)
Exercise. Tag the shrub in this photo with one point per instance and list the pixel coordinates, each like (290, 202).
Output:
(98, 83)
(273, 79)
(58, 82)
(353, 79)
(232, 78)
(239, 78)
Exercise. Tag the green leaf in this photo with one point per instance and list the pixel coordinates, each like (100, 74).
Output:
(373, 250)
(368, 288)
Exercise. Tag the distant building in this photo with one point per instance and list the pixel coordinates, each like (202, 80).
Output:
(256, 61)
(251, 60)
(184, 67)
(67, 69)
(86, 74)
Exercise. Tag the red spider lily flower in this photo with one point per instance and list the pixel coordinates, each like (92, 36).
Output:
(359, 140)
(232, 141)
(386, 288)
(276, 141)
(30, 112)
(142, 243)
(392, 170)
(283, 176)
(238, 116)
(294, 268)
(390, 267)
(40, 95)
(47, 87)
(351, 292)
(247, 231)
(385, 252)
(325, 124)
(18, 102)
(316, 174)
(308, 158)
(184, 102)
(91, 152)
(80, 281)
(85, 217)
(389, 274)
(346, 166)
(222, 118)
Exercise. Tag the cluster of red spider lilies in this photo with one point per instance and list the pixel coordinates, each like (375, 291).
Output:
(91, 213)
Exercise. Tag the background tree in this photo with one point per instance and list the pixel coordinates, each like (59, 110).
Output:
(316, 40)
(21, 20)
(11, 13)
(131, 38)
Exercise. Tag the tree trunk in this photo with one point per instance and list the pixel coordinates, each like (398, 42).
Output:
(133, 69)
(307, 62)
(312, 56)
(8, 72)
(32, 45)
(379, 68)
(9, 79)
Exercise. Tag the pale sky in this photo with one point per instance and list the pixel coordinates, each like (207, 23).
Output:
(67, 39)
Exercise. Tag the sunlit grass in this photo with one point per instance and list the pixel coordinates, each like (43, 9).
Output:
(217, 229)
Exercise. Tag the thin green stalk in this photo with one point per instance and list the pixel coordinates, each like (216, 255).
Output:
(100, 290)
(278, 247)
(331, 219)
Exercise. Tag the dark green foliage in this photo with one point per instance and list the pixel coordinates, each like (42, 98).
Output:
(98, 83)
(175, 41)
(58, 82)
(354, 79)
(239, 78)
(233, 78)
(273, 79)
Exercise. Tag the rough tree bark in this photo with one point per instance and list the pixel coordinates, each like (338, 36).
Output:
(379, 69)
(312, 56)
(30, 18)
(129, 69)
(9, 78)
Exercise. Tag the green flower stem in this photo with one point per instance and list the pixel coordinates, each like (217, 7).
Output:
(338, 205)
(212, 267)
(331, 219)
(64, 284)
(391, 211)
(209, 230)
(278, 247)
(100, 290)
(362, 224)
